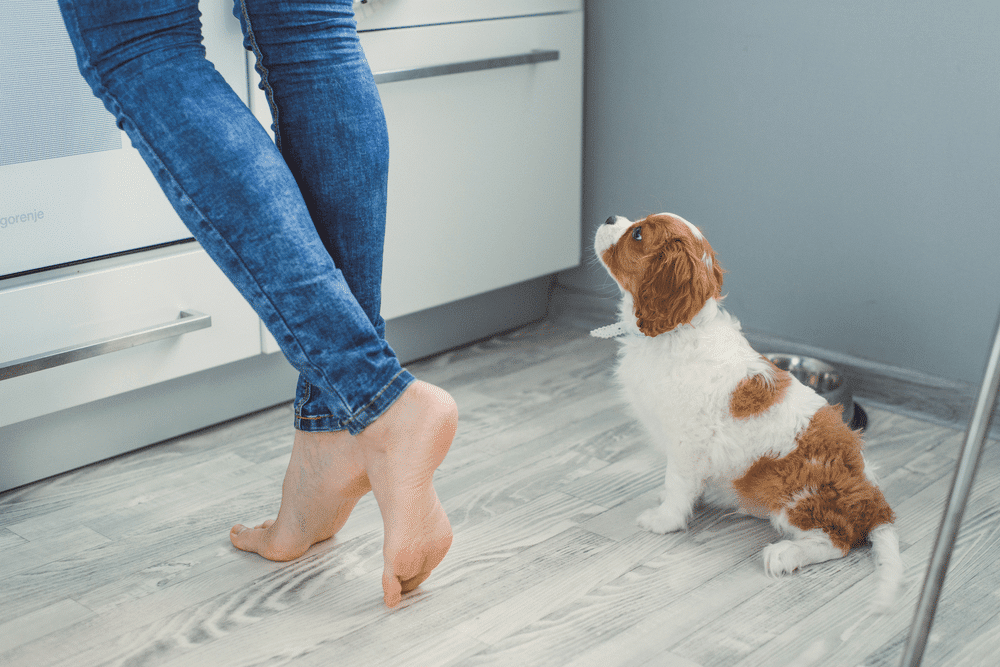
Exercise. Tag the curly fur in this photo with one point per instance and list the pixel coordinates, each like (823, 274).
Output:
(756, 394)
(734, 427)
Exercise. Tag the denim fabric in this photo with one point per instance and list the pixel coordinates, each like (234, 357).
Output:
(299, 231)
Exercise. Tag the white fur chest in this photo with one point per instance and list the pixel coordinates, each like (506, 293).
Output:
(680, 385)
(676, 386)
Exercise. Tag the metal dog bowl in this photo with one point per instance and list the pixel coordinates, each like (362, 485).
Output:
(826, 380)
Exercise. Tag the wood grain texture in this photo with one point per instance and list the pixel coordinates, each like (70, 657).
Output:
(128, 561)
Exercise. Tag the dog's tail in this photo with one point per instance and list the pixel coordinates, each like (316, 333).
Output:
(888, 567)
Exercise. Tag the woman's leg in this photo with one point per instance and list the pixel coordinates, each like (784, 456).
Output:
(237, 195)
(329, 127)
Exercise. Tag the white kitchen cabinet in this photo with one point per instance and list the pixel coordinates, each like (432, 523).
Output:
(484, 167)
(484, 205)
(75, 306)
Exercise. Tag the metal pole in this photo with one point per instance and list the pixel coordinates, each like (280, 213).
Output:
(961, 485)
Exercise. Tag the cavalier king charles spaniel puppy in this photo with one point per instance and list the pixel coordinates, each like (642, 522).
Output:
(734, 427)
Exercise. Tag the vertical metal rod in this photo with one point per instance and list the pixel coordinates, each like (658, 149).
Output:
(961, 485)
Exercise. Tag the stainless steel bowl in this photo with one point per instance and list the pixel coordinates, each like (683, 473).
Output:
(826, 380)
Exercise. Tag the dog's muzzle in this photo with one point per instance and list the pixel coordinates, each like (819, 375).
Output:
(609, 232)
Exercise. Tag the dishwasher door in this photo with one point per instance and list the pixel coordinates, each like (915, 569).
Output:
(485, 155)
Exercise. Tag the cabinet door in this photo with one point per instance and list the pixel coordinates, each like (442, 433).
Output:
(485, 165)
(75, 309)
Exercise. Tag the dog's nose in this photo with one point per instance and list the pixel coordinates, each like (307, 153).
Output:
(611, 220)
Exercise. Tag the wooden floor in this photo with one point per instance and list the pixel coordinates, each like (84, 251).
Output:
(127, 562)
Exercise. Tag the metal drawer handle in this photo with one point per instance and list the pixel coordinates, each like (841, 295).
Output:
(529, 58)
(189, 320)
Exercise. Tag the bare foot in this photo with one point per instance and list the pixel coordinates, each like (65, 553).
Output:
(324, 481)
(402, 449)
(396, 456)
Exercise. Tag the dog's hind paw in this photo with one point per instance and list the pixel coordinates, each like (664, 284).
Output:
(782, 558)
(656, 520)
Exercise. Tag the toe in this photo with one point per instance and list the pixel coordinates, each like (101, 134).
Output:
(391, 587)
(402, 575)
(249, 539)
(260, 541)
(410, 584)
(244, 538)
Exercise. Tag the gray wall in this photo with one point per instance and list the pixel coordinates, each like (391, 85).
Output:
(842, 157)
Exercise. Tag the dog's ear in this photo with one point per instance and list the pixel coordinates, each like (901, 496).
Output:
(676, 285)
(716, 269)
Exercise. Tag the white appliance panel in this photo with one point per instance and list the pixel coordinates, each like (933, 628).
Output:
(72, 188)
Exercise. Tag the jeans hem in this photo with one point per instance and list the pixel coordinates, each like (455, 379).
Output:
(363, 417)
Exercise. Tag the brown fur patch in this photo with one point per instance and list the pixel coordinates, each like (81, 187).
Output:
(756, 394)
(664, 272)
(821, 483)
(625, 263)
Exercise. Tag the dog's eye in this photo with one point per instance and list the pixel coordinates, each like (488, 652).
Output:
(637, 233)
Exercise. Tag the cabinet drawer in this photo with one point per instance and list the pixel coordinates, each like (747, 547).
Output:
(485, 164)
(75, 309)
(382, 14)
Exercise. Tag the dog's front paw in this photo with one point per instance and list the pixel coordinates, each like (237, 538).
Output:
(658, 520)
(781, 558)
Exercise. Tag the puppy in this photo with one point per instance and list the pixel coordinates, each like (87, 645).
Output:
(734, 427)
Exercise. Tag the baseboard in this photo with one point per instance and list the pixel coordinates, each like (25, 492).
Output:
(901, 390)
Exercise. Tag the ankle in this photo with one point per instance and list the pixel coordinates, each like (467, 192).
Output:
(423, 412)
(340, 451)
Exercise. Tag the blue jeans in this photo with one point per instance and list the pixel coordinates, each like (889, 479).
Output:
(298, 228)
